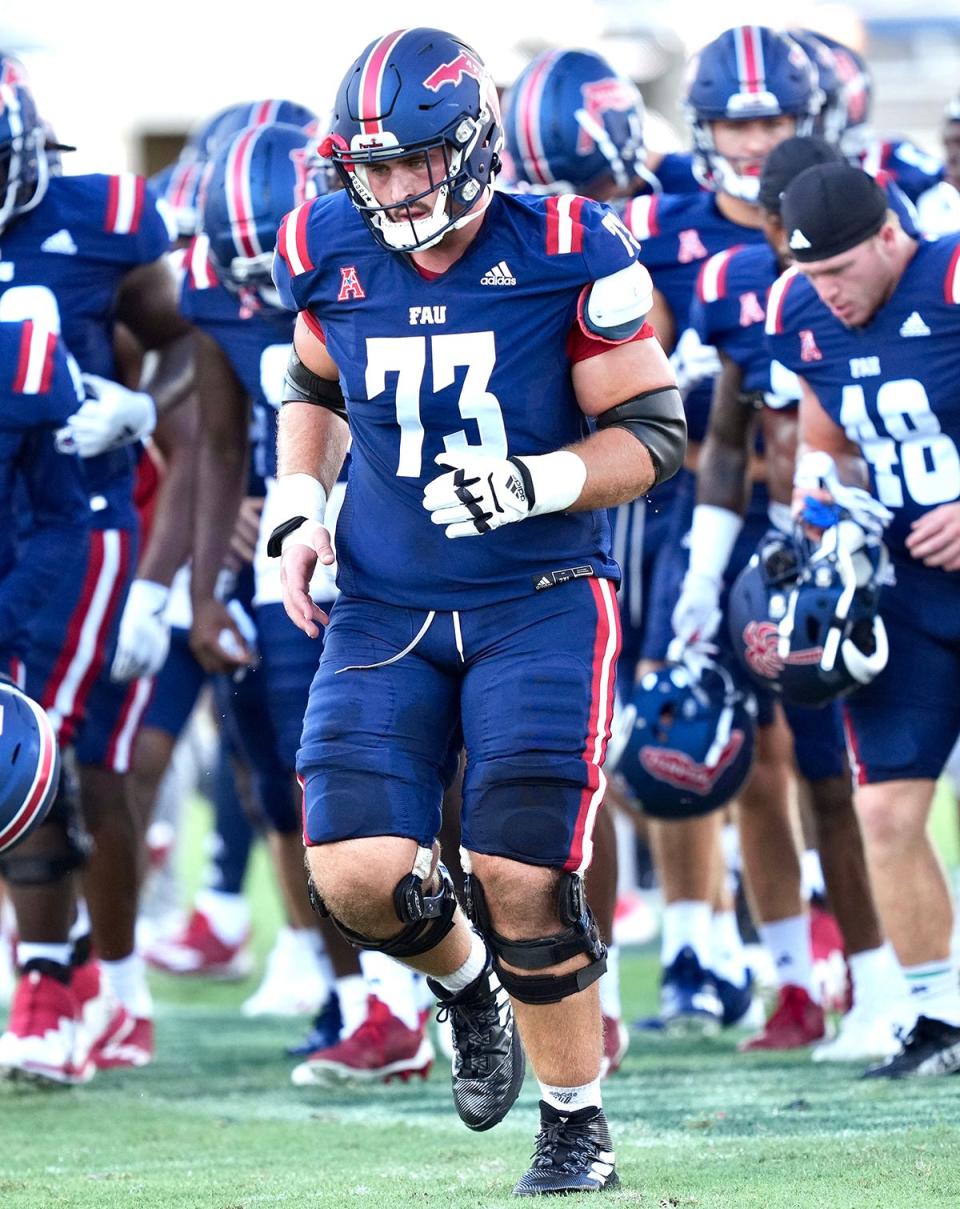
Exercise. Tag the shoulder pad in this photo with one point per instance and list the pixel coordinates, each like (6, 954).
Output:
(35, 359)
(292, 240)
(618, 304)
(125, 195)
(776, 300)
(712, 280)
(641, 216)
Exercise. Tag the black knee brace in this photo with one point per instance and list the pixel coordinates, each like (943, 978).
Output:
(428, 917)
(580, 935)
(42, 869)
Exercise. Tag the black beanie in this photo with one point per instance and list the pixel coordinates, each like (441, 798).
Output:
(787, 160)
(829, 209)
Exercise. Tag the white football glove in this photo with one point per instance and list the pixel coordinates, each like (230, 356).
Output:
(111, 416)
(696, 615)
(818, 469)
(692, 361)
(481, 493)
(144, 639)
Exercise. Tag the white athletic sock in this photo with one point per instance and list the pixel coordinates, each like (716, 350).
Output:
(471, 969)
(610, 1004)
(393, 984)
(811, 875)
(317, 943)
(29, 951)
(686, 924)
(128, 981)
(788, 943)
(876, 977)
(352, 992)
(729, 960)
(571, 1099)
(229, 914)
(935, 990)
(81, 924)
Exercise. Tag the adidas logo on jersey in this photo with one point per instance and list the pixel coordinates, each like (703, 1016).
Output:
(60, 241)
(798, 240)
(499, 275)
(913, 325)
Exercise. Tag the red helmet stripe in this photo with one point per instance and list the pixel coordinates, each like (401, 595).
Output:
(528, 119)
(371, 80)
(750, 65)
(239, 203)
(42, 783)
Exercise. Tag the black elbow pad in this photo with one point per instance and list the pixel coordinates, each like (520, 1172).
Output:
(656, 419)
(302, 385)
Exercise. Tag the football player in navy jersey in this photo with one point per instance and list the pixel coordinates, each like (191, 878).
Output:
(490, 356)
(729, 313)
(749, 90)
(868, 318)
(78, 253)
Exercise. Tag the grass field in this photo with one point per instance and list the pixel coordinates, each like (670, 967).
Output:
(216, 1124)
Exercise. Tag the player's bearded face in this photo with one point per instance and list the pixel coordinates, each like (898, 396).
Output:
(393, 182)
(855, 283)
(746, 144)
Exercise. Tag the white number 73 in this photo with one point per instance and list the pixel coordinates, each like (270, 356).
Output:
(406, 356)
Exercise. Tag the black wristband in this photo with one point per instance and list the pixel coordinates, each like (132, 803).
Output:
(275, 542)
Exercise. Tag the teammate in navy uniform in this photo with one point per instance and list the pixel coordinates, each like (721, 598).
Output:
(78, 252)
(749, 90)
(453, 326)
(728, 313)
(869, 319)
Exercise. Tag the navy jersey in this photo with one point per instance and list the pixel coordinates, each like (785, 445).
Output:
(728, 312)
(477, 357)
(900, 161)
(893, 385)
(63, 262)
(38, 391)
(255, 339)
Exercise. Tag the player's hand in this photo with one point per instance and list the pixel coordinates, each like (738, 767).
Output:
(302, 550)
(217, 642)
(243, 541)
(144, 638)
(816, 482)
(110, 417)
(478, 494)
(934, 539)
(696, 614)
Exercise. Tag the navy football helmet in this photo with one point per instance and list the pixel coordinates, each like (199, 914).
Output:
(252, 182)
(24, 168)
(570, 120)
(850, 108)
(831, 639)
(690, 741)
(412, 92)
(758, 603)
(178, 186)
(29, 766)
(748, 72)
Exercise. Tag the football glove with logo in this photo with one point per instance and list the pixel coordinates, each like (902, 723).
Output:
(144, 638)
(481, 493)
(110, 417)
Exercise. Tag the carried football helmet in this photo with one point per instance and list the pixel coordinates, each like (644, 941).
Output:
(571, 120)
(831, 639)
(748, 72)
(412, 92)
(252, 182)
(690, 742)
(24, 168)
(29, 766)
(758, 600)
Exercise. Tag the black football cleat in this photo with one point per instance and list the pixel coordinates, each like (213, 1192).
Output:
(488, 1060)
(932, 1047)
(573, 1153)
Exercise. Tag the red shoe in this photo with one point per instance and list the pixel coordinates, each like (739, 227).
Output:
(199, 950)
(830, 972)
(132, 1046)
(796, 1021)
(382, 1048)
(45, 1039)
(103, 1015)
(616, 1040)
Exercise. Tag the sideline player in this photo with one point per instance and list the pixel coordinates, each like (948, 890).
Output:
(728, 313)
(503, 641)
(870, 318)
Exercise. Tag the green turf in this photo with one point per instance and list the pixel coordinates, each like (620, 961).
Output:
(216, 1124)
